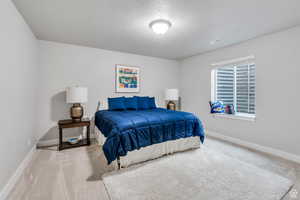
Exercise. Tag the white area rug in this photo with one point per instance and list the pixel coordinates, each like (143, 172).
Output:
(195, 175)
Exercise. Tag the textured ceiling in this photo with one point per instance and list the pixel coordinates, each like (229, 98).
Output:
(122, 25)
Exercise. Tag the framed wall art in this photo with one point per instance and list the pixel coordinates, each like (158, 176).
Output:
(127, 79)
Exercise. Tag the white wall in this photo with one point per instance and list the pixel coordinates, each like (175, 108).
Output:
(64, 65)
(18, 84)
(277, 68)
(26, 116)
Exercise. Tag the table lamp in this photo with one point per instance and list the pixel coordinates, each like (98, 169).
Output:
(76, 96)
(171, 95)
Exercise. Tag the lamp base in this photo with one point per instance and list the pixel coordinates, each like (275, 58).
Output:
(76, 112)
(171, 105)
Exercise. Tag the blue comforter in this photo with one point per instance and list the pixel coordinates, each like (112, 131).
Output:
(129, 130)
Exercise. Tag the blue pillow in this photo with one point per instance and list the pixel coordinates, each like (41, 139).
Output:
(131, 103)
(116, 103)
(151, 103)
(217, 107)
(143, 103)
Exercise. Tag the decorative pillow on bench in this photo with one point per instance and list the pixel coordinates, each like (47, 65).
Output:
(216, 107)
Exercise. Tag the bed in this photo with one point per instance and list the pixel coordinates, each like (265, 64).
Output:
(133, 136)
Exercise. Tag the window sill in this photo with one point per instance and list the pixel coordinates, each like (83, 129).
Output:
(236, 116)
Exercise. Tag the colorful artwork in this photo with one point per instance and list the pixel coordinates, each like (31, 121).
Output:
(127, 79)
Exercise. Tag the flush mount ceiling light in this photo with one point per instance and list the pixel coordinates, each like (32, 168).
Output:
(160, 26)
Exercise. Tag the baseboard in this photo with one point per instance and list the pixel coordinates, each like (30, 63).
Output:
(16, 176)
(264, 149)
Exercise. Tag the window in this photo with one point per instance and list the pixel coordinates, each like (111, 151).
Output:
(234, 84)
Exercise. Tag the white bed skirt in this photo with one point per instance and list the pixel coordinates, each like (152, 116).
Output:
(153, 151)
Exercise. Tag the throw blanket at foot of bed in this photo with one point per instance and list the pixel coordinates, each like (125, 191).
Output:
(129, 130)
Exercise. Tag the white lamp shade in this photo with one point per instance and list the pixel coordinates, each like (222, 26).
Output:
(77, 94)
(172, 94)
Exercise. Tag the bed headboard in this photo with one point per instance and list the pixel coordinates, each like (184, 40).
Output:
(102, 105)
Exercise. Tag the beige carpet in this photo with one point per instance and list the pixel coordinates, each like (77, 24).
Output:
(200, 174)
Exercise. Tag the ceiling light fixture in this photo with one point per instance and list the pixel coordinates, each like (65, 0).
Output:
(160, 26)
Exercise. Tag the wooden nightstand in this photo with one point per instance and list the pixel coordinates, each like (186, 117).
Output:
(69, 123)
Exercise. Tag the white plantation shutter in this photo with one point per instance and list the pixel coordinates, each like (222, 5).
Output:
(235, 85)
(245, 88)
(225, 85)
(252, 87)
